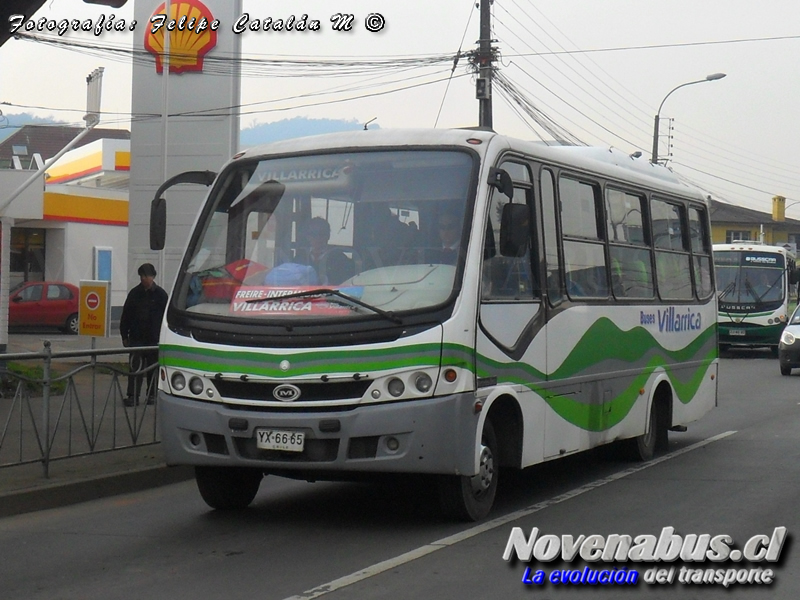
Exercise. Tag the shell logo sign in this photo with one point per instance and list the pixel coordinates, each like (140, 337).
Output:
(192, 34)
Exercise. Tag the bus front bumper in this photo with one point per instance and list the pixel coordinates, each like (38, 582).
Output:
(434, 435)
(735, 334)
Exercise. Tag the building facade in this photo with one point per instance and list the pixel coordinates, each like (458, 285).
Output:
(81, 231)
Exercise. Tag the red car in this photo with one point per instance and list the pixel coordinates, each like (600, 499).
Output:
(44, 304)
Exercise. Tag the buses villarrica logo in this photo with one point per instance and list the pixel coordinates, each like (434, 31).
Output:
(286, 392)
(191, 35)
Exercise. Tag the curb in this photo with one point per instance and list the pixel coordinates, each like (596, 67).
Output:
(104, 486)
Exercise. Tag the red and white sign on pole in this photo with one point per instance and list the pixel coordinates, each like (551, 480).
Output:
(93, 312)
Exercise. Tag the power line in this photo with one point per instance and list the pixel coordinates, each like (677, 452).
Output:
(661, 46)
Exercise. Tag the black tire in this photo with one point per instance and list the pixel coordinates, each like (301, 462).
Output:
(227, 488)
(643, 447)
(786, 370)
(774, 350)
(71, 326)
(471, 498)
(724, 348)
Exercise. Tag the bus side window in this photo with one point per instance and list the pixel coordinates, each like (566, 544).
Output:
(584, 252)
(551, 245)
(507, 274)
(628, 245)
(673, 266)
(701, 251)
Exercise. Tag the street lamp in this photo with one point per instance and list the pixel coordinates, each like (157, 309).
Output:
(712, 77)
(790, 205)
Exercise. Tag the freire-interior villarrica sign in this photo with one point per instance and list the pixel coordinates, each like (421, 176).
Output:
(192, 34)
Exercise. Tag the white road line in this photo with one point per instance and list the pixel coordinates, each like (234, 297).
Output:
(407, 557)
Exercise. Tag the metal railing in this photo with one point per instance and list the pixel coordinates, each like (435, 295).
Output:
(56, 405)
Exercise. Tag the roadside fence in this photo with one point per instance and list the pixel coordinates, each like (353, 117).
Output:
(56, 405)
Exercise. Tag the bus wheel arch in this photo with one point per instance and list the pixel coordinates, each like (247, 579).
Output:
(470, 498)
(506, 417)
(662, 405)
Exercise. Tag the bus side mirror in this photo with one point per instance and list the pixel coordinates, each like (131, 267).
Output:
(501, 180)
(515, 229)
(158, 223)
(158, 206)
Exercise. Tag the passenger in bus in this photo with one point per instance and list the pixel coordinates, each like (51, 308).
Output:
(449, 231)
(331, 264)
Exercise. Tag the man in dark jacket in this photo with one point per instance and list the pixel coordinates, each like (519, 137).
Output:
(139, 325)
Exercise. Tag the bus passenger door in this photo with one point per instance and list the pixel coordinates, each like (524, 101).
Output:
(510, 317)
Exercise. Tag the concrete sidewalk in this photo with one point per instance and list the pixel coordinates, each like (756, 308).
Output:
(24, 488)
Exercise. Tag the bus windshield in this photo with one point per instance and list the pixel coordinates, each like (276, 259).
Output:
(750, 277)
(346, 235)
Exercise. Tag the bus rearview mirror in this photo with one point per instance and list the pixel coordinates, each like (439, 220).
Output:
(500, 179)
(158, 223)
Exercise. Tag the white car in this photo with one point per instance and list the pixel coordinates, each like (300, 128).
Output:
(789, 346)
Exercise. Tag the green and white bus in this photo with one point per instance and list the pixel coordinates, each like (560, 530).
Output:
(575, 308)
(756, 293)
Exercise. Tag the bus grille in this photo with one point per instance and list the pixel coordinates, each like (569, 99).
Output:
(309, 392)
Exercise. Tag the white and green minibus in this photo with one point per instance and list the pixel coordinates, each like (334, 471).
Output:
(480, 303)
(756, 293)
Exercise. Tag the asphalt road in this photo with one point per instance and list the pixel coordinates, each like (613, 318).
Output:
(735, 473)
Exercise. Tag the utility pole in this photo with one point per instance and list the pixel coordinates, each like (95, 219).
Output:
(484, 60)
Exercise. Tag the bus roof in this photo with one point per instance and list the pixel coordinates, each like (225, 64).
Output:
(752, 246)
(603, 161)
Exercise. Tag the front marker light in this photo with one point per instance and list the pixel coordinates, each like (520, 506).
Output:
(787, 338)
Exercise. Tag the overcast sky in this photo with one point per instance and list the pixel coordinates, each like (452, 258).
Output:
(599, 69)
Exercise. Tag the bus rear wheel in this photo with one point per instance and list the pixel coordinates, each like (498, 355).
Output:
(643, 447)
(471, 498)
(228, 488)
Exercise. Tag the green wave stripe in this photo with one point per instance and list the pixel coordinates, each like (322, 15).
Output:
(604, 341)
(598, 417)
(265, 364)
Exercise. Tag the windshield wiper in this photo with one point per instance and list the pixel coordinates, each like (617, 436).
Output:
(728, 289)
(752, 291)
(772, 285)
(338, 297)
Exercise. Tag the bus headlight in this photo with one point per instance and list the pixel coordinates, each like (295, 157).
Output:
(196, 385)
(423, 383)
(787, 339)
(178, 381)
(396, 387)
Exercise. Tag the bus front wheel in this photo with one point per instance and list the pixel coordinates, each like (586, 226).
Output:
(471, 498)
(227, 488)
